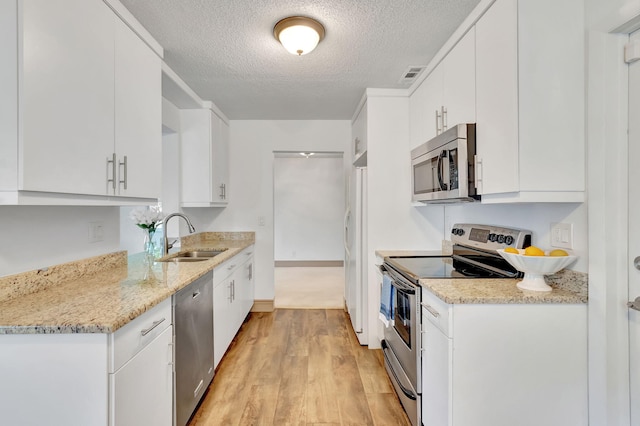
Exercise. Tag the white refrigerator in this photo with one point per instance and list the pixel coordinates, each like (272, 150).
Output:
(355, 247)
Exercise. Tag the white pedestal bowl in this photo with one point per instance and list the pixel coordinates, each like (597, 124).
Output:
(535, 268)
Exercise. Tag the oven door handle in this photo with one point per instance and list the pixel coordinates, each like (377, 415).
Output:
(441, 157)
(404, 390)
(397, 282)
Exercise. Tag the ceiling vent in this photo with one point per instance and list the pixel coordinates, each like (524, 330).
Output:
(411, 74)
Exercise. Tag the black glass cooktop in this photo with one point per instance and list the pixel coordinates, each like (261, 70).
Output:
(418, 267)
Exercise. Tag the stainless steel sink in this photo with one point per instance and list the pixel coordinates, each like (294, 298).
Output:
(194, 256)
(201, 253)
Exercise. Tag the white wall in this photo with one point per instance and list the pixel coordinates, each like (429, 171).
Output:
(393, 223)
(253, 143)
(536, 217)
(309, 207)
(35, 237)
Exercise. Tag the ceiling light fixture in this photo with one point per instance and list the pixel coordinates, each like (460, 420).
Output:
(307, 154)
(299, 34)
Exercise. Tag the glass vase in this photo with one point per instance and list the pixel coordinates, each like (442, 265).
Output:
(151, 248)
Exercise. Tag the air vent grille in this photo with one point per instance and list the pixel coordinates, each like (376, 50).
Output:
(410, 74)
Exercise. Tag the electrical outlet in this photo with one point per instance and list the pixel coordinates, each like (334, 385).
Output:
(562, 235)
(261, 221)
(95, 232)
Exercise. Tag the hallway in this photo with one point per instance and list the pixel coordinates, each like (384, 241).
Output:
(299, 367)
(309, 287)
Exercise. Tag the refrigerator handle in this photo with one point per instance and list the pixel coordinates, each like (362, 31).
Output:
(347, 219)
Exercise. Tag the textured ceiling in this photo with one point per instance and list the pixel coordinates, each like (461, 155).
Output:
(225, 50)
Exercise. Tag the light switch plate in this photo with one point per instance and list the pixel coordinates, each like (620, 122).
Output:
(95, 232)
(562, 235)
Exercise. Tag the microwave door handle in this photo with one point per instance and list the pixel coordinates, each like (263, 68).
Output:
(441, 157)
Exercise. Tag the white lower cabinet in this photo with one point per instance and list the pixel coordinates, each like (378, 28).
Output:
(505, 364)
(142, 390)
(233, 295)
(86, 379)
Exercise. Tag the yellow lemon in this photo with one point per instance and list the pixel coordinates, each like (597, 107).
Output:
(533, 251)
(511, 250)
(558, 252)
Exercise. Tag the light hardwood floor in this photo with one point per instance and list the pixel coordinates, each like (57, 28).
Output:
(300, 367)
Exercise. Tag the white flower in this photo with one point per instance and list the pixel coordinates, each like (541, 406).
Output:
(146, 218)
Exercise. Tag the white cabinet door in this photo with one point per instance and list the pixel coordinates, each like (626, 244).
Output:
(497, 99)
(222, 320)
(67, 99)
(431, 89)
(220, 160)
(530, 102)
(205, 158)
(436, 375)
(142, 390)
(138, 116)
(459, 82)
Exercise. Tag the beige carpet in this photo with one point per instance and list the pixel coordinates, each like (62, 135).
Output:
(309, 288)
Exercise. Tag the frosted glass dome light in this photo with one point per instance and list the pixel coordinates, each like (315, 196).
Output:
(298, 34)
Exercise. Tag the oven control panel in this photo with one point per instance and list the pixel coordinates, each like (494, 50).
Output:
(489, 237)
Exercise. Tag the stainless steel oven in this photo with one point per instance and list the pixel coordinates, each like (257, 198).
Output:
(474, 256)
(401, 345)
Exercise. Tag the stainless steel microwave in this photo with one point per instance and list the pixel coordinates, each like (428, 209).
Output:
(442, 169)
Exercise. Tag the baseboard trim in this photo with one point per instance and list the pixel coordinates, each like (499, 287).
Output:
(308, 263)
(262, 305)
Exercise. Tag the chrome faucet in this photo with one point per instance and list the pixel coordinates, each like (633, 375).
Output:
(166, 246)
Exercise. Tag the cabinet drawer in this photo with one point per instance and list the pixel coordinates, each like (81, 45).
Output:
(133, 337)
(437, 312)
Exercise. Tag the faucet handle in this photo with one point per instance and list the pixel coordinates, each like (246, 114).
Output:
(170, 245)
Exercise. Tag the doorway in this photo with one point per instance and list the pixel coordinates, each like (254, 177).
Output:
(308, 223)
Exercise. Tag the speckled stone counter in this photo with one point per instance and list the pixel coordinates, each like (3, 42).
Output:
(103, 293)
(569, 287)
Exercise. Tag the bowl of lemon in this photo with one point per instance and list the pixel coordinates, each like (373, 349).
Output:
(536, 263)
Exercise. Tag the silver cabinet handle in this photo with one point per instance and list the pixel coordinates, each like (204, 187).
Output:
(231, 267)
(431, 310)
(112, 161)
(250, 271)
(444, 118)
(478, 173)
(222, 191)
(438, 130)
(230, 294)
(154, 325)
(124, 172)
(635, 305)
(196, 294)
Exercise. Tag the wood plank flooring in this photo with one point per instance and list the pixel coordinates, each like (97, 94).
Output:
(300, 367)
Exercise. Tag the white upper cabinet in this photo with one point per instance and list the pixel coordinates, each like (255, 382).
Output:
(66, 98)
(205, 158)
(447, 96)
(459, 83)
(138, 116)
(530, 102)
(86, 90)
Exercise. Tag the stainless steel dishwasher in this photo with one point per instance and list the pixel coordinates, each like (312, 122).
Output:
(193, 327)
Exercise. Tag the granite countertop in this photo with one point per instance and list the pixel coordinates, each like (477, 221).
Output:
(569, 287)
(103, 293)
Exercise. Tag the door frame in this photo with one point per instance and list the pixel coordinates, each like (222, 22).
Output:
(607, 176)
